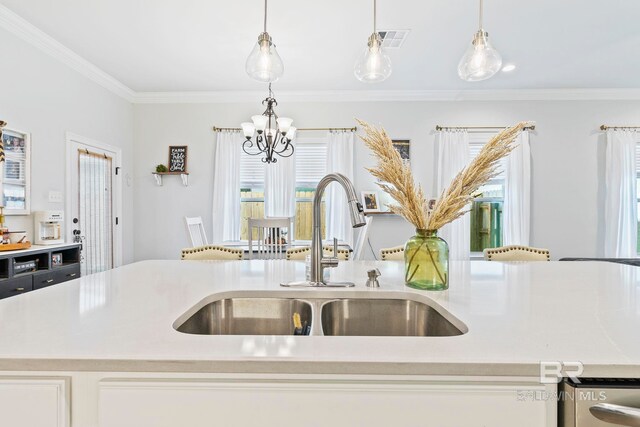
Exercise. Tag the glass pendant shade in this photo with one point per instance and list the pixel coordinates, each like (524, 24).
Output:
(373, 65)
(248, 129)
(264, 64)
(260, 122)
(291, 133)
(481, 61)
(284, 123)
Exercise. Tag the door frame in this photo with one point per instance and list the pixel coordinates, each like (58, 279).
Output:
(73, 143)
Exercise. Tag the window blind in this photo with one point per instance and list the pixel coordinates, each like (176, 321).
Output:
(311, 164)
(477, 140)
(251, 170)
(638, 159)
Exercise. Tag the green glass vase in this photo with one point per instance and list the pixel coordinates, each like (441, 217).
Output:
(426, 261)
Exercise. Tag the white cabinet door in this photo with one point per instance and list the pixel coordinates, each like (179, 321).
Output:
(336, 404)
(34, 402)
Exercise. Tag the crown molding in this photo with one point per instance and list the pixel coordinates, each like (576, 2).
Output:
(18, 26)
(390, 95)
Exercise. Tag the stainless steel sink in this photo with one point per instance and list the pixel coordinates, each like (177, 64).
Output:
(247, 316)
(384, 317)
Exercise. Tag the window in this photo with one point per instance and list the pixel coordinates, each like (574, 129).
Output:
(486, 209)
(16, 176)
(311, 159)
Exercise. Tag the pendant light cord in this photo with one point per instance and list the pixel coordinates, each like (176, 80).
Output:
(265, 16)
(479, 21)
(374, 15)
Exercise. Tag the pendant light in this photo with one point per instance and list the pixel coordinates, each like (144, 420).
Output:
(481, 61)
(374, 65)
(264, 64)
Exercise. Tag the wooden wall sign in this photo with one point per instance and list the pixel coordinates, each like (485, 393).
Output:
(178, 158)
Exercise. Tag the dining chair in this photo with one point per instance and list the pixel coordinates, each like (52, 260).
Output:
(273, 237)
(516, 253)
(195, 227)
(392, 254)
(299, 254)
(211, 252)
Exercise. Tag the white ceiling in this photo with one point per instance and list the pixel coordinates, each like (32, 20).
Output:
(198, 45)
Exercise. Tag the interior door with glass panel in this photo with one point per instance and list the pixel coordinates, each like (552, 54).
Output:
(92, 174)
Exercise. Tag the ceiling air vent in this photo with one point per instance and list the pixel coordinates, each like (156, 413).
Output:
(393, 39)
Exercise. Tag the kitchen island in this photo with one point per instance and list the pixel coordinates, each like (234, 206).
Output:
(103, 349)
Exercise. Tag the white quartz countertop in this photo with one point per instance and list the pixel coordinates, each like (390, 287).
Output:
(517, 314)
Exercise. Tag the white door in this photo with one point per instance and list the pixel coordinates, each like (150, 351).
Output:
(93, 200)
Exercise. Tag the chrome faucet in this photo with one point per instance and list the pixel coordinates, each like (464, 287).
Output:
(318, 262)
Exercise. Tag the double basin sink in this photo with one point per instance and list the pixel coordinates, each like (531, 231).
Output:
(246, 314)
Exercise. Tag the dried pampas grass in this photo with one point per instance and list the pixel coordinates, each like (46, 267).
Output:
(397, 178)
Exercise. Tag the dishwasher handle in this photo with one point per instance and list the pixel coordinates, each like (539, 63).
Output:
(616, 414)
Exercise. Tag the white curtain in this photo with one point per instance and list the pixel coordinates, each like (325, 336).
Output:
(339, 159)
(620, 206)
(280, 188)
(453, 156)
(226, 187)
(517, 195)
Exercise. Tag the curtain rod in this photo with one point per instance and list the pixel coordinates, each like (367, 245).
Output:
(353, 129)
(439, 128)
(607, 127)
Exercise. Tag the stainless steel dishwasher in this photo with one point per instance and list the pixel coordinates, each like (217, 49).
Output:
(599, 402)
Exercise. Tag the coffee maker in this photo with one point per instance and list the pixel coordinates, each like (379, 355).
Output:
(48, 227)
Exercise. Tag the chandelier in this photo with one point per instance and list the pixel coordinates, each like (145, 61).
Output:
(273, 134)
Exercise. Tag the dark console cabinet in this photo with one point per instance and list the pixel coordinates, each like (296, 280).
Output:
(32, 269)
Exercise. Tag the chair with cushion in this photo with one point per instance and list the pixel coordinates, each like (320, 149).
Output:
(516, 253)
(211, 252)
(392, 254)
(273, 237)
(299, 254)
(195, 228)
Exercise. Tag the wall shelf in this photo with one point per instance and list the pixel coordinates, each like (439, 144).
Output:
(183, 175)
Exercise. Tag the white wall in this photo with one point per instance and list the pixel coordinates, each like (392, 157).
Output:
(42, 96)
(567, 168)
